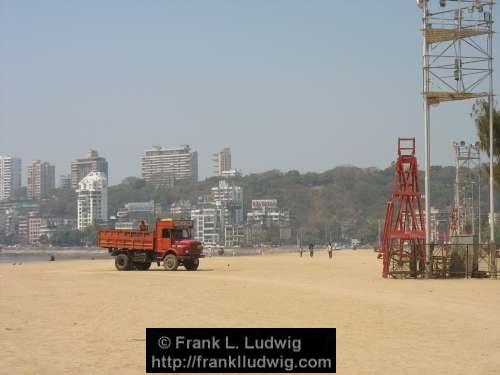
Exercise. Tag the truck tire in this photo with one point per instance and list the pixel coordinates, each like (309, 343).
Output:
(192, 264)
(170, 262)
(142, 266)
(122, 262)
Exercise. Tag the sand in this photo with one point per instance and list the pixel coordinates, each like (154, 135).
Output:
(84, 317)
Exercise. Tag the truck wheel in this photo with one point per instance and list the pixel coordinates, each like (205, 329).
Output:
(170, 262)
(192, 264)
(142, 266)
(122, 262)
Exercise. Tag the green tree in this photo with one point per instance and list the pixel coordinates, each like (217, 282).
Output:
(65, 236)
(481, 115)
(44, 239)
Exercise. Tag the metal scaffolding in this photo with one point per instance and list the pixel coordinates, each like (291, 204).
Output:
(465, 213)
(457, 64)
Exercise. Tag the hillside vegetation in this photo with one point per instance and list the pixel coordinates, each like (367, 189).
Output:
(345, 201)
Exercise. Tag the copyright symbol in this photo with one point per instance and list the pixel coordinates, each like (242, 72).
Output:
(164, 342)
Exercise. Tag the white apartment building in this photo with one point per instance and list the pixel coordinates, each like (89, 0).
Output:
(41, 179)
(222, 161)
(265, 212)
(166, 166)
(231, 173)
(10, 176)
(206, 225)
(229, 198)
(92, 199)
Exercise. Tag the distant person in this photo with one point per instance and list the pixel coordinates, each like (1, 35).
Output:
(143, 227)
(330, 250)
(301, 251)
(311, 249)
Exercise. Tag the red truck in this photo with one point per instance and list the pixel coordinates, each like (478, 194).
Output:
(170, 243)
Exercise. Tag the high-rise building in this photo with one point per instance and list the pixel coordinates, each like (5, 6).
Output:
(92, 162)
(167, 166)
(222, 161)
(10, 176)
(41, 179)
(92, 199)
(229, 198)
(65, 181)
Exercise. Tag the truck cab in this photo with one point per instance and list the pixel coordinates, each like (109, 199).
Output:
(174, 238)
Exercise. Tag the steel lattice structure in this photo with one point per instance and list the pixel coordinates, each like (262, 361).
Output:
(458, 53)
(457, 64)
(465, 214)
(403, 238)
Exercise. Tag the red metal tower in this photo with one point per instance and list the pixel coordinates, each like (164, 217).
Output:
(403, 240)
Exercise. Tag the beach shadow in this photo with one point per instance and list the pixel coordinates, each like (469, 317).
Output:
(159, 269)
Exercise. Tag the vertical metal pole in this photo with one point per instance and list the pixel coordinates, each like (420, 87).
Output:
(479, 197)
(456, 145)
(427, 144)
(473, 211)
(493, 266)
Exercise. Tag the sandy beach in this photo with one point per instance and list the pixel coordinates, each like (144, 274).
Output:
(84, 317)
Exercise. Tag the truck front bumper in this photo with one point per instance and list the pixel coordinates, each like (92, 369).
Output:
(182, 258)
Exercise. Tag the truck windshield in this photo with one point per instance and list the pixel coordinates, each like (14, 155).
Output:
(181, 234)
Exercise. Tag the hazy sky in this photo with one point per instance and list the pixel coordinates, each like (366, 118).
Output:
(287, 84)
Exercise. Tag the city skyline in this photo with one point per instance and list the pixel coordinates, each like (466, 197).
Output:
(291, 86)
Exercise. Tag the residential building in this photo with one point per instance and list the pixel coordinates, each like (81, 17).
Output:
(229, 198)
(92, 162)
(22, 230)
(220, 221)
(222, 161)
(265, 212)
(41, 179)
(181, 209)
(92, 200)
(65, 181)
(167, 166)
(34, 226)
(10, 176)
(231, 173)
(233, 235)
(207, 226)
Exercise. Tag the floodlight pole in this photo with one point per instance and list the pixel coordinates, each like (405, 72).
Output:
(493, 262)
(427, 134)
(443, 28)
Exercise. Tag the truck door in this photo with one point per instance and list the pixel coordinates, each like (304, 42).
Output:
(164, 240)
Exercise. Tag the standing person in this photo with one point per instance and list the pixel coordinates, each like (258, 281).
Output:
(330, 249)
(301, 251)
(311, 249)
(143, 227)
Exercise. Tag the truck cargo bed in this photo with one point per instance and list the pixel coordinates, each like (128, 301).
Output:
(120, 239)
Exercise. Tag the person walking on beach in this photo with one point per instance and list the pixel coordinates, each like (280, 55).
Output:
(311, 249)
(330, 249)
(301, 251)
